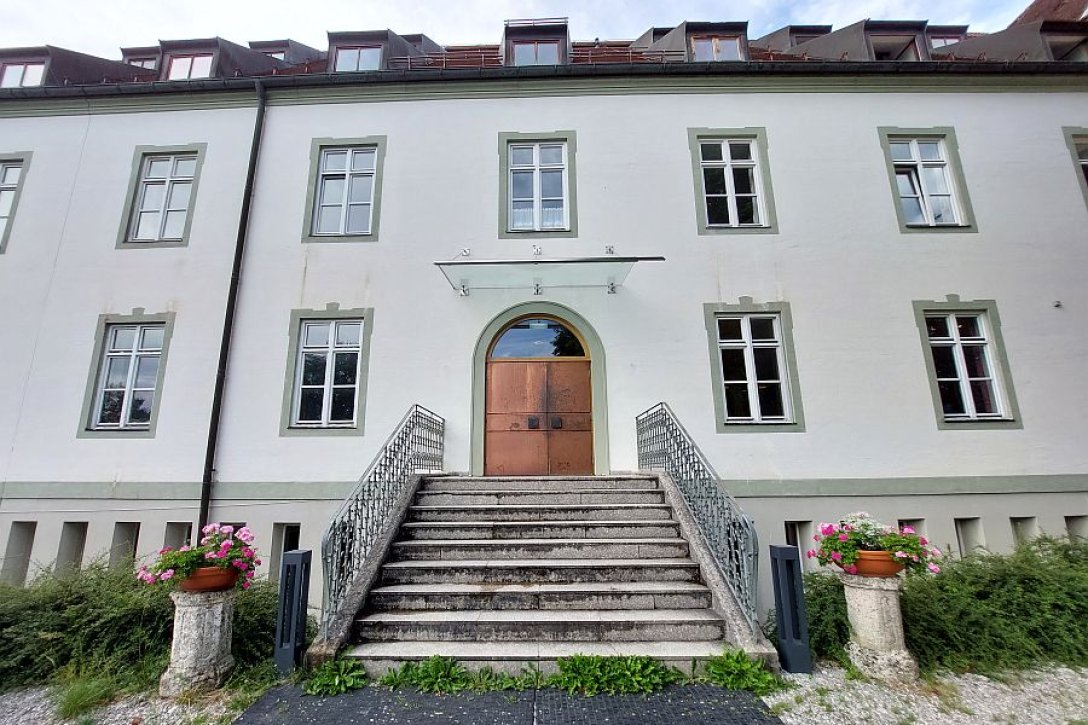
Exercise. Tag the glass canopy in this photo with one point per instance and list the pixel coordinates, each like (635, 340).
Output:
(609, 272)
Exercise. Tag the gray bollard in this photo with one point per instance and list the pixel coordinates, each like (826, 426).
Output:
(291, 617)
(789, 602)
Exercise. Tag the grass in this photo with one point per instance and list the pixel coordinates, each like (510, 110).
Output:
(80, 696)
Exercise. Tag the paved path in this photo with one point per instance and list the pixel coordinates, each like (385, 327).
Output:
(683, 705)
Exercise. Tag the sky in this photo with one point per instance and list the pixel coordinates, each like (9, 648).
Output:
(101, 27)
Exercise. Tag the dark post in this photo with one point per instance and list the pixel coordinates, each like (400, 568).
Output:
(789, 603)
(291, 618)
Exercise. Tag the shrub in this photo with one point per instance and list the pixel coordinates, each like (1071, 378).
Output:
(735, 670)
(828, 626)
(336, 677)
(590, 675)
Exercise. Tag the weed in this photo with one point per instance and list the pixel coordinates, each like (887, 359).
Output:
(735, 670)
(336, 677)
(590, 675)
(781, 707)
(79, 696)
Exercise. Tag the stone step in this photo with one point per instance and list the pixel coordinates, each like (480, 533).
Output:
(460, 483)
(512, 571)
(613, 595)
(455, 549)
(513, 657)
(416, 530)
(542, 512)
(515, 498)
(513, 625)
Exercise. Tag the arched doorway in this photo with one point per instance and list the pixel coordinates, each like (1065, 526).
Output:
(539, 398)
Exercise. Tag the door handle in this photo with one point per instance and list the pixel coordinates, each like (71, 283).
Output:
(534, 422)
(557, 422)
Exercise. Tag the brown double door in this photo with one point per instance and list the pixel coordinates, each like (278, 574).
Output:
(538, 418)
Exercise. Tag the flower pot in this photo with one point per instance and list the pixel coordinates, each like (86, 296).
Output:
(210, 579)
(878, 563)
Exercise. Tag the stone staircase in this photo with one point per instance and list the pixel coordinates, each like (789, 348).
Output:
(508, 572)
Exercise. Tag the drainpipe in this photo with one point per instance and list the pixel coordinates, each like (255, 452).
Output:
(228, 317)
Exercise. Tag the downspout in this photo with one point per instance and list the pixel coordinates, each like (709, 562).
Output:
(228, 317)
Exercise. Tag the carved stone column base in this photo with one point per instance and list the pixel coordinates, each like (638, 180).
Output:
(200, 657)
(877, 646)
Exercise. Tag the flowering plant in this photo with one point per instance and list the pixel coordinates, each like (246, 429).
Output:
(840, 543)
(221, 547)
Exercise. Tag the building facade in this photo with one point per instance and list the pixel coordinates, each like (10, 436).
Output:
(850, 261)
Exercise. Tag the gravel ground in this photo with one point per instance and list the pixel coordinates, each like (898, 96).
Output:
(34, 706)
(1044, 697)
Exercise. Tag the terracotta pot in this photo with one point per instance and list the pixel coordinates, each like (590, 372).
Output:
(210, 579)
(877, 563)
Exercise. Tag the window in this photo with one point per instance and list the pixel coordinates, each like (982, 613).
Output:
(926, 179)
(277, 54)
(940, 41)
(20, 544)
(732, 185)
(709, 48)
(895, 47)
(969, 535)
(11, 173)
(327, 373)
(21, 75)
(73, 540)
(537, 52)
(356, 59)
(1077, 140)
(965, 358)
(186, 67)
(126, 376)
(1082, 157)
(126, 536)
(538, 186)
(343, 200)
(161, 196)
(150, 63)
(285, 537)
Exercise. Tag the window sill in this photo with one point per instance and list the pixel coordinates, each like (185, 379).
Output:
(936, 228)
(979, 423)
(329, 430)
(148, 432)
(152, 243)
(339, 238)
(747, 229)
(752, 427)
(536, 233)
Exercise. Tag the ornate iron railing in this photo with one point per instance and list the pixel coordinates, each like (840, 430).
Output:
(415, 446)
(730, 533)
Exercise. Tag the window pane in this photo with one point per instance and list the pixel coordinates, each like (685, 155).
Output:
(202, 67)
(929, 150)
(944, 362)
(704, 49)
(332, 190)
(912, 211)
(521, 155)
(937, 326)
(158, 168)
(335, 161)
(951, 399)
(317, 334)
(7, 198)
(551, 184)
(521, 216)
(551, 155)
(370, 58)
(33, 74)
(547, 54)
(179, 68)
(359, 219)
(936, 179)
(328, 219)
(313, 368)
(728, 49)
(968, 326)
(975, 358)
(344, 367)
(744, 181)
(347, 333)
(714, 181)
(347, 59)
(13, 75)
(362, 160)
(111, 407)
(524, 54)
(746, 211)
(982, 392)
(941, 206)
(362, 189)
(116, 372)
(537, 338)
(152, 338)
(762, 328)
(310, 404)
(175, 225)
(140, 409)
(1082, 151)
(552, 214)
(770, 400)
(733, 367)
(736, 401)
(717, 210)
(152, 198)
(343, 405)
(123, 338)
(905, 182)
(179, 195)
(147, 368)
(766, 363)
(740, 151)
(900, 150)
(522, 185)
(729, 329)
(185, 166)
(11, 174)
(711, 151)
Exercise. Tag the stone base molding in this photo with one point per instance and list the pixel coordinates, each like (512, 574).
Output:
(877, 646)
(200, 657)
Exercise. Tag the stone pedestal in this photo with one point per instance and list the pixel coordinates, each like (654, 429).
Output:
(200, 657)
(877, 646)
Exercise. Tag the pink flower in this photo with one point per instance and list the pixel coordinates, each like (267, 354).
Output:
(245, 534)
(226, 530)
(247, 552)
(914, 557)
(908, 530)
(934, 551)
(239, 564)
(815, 537)
(246, 585)
(933, 568)
(836, 556)
(900, 555)
(225, 546)
(185, 548)
(844, 537)
(851, 569)
(165, 549)
(811, 553)
(249, 574)
(210, 529)
(169, 573)
(847, 527)
(257, 562)
(922, 540)
(211, 555)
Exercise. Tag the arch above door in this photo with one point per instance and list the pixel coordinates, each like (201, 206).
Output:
(595, 353)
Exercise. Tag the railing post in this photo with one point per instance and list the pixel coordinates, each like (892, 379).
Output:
(789, 604)
(291, 615)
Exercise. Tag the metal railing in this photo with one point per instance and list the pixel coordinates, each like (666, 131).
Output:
(415, 446)
(729, 532)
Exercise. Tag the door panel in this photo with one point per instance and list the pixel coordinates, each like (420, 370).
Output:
(568, 387)
(515, 386)
(570, 452)
(516, 453)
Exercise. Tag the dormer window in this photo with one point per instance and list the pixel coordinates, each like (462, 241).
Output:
(940, 41)
(278, 55)
(895, 47)
(150, 63)
(710, 48)
(536, 52)
(185, 67)
(358, 58)
(21, 75)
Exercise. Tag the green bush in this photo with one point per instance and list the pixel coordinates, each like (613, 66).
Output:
(336, 677)
(590, 675)
(982, 613)
(735, 670)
